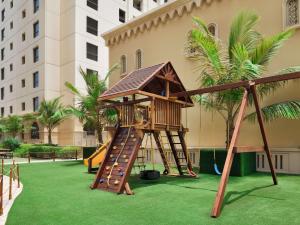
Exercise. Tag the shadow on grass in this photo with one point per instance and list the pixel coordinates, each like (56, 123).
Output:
(71, 163)
(240, 194)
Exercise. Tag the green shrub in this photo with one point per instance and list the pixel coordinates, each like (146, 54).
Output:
(22, 150)
(11, 143)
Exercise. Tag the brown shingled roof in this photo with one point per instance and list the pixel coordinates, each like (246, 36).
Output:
(133, 81)
(147, 80)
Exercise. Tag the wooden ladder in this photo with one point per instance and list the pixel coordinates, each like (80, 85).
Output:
(180, 153)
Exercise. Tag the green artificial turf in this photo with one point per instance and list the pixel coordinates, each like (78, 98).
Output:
(58, 194)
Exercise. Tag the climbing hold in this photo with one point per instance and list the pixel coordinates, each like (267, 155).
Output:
(132, 136)
(107, 173)
(126, 160)
(101, 181)
(116, 164)
(121, 174)
(111, 155)
(109, 176)
(124, 156)
(120, 169)
(107, 168)
(122, 143)
(116, 182)
(134, 139)
(115, 147)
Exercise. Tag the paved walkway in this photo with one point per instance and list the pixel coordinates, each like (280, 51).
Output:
(7, 204)
(34, 160)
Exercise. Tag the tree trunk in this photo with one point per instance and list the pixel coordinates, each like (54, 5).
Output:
(49, 136)
(99, 134)
(229, 130)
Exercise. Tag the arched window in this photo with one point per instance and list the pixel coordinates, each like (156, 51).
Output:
(292, 12)
(212, 28)
(138, 59)
(123, 64)
(35, 131)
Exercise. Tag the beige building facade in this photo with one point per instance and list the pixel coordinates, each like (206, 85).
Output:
(160, 36)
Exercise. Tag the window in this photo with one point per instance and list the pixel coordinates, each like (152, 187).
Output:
(36, 54)
(2, 93)
(11, 46)
(2, 15)
(2, 34)
(138, 59)
(23, 106)
(36, 5)
(35, 102)
(212, 28)
(92, 51)
(91, 26)
(89, 71)
(11, 4)
(11, 109)
(11, 88)
(2, 111)
(35, 134)
(292, 12)
(23, 36)
(35, 79)
(2, 53)
(93, 4)
(23, 60)
(23, 83)
(11, 25)
(122, 16)
(24, 13)
(36, 29)
(2, 73)
(11, 67)
(138, 4)
(123, 64)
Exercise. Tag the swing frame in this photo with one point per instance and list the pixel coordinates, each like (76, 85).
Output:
(249, 89)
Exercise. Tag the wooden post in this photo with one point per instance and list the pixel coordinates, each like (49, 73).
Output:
(89, 165)
(76, 155)
(28, 157)
(10, 184)
(263, 133)
(2, 166)
(152, 113)
(1, 196)
(18, 174)
(53, 156)
(229, 159)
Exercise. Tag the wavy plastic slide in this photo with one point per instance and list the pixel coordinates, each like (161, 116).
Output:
(98, 156)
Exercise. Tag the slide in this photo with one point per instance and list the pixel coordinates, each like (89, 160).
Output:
(98, 156)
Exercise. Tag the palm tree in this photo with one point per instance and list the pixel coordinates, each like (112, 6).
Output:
(52, 113)
(13, 125)
(245, 57)
(89, 109)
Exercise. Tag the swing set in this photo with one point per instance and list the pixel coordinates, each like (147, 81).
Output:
(150, 101)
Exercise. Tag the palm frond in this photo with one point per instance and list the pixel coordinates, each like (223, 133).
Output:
(282, 110)
(268, 47)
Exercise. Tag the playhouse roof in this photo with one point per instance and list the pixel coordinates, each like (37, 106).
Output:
(148, 80)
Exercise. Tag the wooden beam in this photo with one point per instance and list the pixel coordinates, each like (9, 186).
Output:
(245, 84)
(229, 159)
(166, 79)
(126, 103)
(244, 149)
(263, 133)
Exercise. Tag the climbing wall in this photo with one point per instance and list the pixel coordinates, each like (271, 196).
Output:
(116, 167)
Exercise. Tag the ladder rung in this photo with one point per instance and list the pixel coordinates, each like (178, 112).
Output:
(181, 158)
(177, 143)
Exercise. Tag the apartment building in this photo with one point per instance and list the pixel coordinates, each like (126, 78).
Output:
(43, 43)
(161, 36)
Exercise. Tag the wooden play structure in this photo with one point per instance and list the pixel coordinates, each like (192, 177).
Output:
(159, 111)
(146, 108)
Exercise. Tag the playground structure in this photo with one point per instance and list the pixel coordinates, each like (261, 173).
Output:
(147, 108)
(160, 112)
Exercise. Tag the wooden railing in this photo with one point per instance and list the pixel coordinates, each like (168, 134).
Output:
(133, 114)
(167, 113)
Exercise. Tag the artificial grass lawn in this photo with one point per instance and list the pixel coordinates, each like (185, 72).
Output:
(58, 194)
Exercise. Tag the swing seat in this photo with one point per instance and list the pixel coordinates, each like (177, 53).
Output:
(217, 171)
(150, 175)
